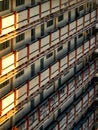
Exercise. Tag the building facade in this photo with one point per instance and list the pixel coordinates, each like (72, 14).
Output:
(48, 64)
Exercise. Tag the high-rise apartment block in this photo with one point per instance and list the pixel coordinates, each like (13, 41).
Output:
(48, 64)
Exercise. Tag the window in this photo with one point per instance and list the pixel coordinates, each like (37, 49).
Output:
(60, 18)
(33, 34)
(19, 74)
(4, 5)
(77, 13)
(43, 0)
(69, 16)
(93, 31)
(4, 45)
(20, 2)
(42, 29)
(87, 34)
(88, 5)
(90, 32)
(59, 82)
(60, 48)
(49, 55)
(81, 8)
(20, 37)
(32, 2)
(75, 40)
(50, 23)
(80, 35)
(32, 70)
(4, 84)
(94, 5)
(41, 63)
(69, 45)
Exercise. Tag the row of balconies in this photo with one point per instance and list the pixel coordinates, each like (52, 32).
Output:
(30, 92)
(31, 3)
(41, 116)
(52, 38)
(43, 78)
(27, 17)
(40, 46)
(64, 63)
(50, 68)
(11, 84)
(51, 7)
(85, 123)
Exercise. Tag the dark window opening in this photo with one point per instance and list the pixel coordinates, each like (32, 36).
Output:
(32, 70)
(60, 48)
(32, 2)
(81, 8)
(4, 5)
(20, 2)
(4, 45)
(80, 35)
(20, 37)
(49, 55)
(19, 74)
(4, 84)
(60, 18)
(33, 34)
(49, 23)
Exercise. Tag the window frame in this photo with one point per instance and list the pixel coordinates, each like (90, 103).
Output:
(4, 5)
(50, 23)
(59, 48)
(20, 2)
(5, 83)
(21, 73)
(80, 35)
(81, 8)
(60, 18)
(20, 37)
(4, 45)
(49, 55)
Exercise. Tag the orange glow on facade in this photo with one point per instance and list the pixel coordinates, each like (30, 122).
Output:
(48, 64)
